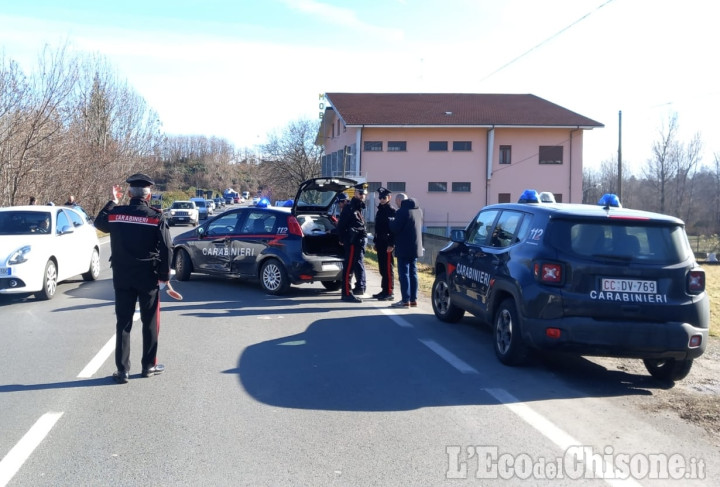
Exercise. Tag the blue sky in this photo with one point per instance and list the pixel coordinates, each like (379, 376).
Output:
(239, 69)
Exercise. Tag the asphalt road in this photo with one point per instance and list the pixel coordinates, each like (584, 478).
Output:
(308, 390)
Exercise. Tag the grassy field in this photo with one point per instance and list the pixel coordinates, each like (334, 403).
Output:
(712, 285)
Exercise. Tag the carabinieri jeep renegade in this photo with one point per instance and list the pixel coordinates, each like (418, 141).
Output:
(593, 280)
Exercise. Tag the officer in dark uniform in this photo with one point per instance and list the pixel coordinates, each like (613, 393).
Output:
(352, 234)
(141, 256)
(384, 243)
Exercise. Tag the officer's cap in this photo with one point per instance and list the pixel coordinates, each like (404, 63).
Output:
(342, 197)
(383, 192)
(361, 188)
(140, 180)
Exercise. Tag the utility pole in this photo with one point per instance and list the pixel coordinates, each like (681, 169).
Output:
(619, 191)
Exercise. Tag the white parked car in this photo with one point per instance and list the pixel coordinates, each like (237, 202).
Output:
(41, 246)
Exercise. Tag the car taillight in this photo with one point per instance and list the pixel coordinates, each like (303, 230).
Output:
(548, 272)
(696, 282)
(294, 227)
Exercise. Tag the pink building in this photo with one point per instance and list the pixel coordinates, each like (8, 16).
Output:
(454, 152)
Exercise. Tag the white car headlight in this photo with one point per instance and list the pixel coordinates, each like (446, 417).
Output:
(20, 255)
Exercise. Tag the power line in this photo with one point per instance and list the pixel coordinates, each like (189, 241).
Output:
(545, 41)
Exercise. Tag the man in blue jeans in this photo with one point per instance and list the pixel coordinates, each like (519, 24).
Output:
(407, 229)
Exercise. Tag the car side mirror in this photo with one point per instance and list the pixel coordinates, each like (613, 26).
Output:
(457, 236)
(67, 229)
(201, 232)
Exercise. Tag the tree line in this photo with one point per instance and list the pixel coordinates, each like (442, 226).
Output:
(73, 126)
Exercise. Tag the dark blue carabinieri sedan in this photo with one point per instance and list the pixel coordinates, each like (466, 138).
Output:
(277, 246)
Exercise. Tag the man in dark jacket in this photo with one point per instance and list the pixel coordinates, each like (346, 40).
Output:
(353, 237)
(407, 229)
(141, 249)
(384, 243)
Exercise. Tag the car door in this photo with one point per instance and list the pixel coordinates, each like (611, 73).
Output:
(65, 245)
(470, 279)
(491, 262)
(257, 230)
(212, 249)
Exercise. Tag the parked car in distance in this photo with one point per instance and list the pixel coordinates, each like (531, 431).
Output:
(41, 246)
(202, 207)
(210, 205)
(592, 280)
(268, 244)
(183, 212)
(219, 202)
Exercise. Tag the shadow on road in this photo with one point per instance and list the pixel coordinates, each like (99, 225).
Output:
(370, 364)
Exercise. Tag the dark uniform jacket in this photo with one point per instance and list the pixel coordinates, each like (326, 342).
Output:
(383, 236)
(407, 228)
(351, 225)
(140, 243)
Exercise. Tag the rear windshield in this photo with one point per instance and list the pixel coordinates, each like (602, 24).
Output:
(621, 239)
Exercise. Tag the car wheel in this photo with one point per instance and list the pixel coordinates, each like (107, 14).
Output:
(94, 271)
(442, 303)
(183, 265)
(273, 277)
(49, 281)
(509, 345)
(668, 370)
(332, 285)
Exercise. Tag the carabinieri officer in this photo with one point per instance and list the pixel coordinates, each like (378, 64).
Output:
(141, 256)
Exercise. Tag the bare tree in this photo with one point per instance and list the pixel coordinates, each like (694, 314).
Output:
(36, 123)
(291, 157)
(671, 168)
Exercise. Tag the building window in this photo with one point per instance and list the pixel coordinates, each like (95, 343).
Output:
(396, 187)
(505, 151)
(372, 146)
(397, 146)
(503, 197)
(462, 145)
(373, 186)
(551, 154)
(435, 187)
(463, 187)
(438, 145)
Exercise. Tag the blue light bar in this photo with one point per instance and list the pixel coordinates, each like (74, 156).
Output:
(610, 199)
(529, 196)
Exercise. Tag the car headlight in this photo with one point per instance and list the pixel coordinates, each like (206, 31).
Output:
(20, 255)
(172, 212)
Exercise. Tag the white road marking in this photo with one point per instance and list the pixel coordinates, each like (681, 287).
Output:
(15, 458)
(397, 319)
(449, 357)
(550, 431)
(97, 361)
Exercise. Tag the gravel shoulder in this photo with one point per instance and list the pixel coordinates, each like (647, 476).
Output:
(695, 399)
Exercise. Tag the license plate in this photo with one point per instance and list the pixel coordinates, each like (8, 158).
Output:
(629, 286)
(332, 266)
(5, 271)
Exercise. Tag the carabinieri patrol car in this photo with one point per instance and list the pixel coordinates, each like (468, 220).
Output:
(594, 280)
(279, 246)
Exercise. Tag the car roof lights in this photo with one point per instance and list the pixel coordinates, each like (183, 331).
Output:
(610, 200)
(529, 196)
(263, 203)
(547, 197)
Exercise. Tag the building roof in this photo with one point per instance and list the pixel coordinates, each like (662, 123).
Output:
(453, 109)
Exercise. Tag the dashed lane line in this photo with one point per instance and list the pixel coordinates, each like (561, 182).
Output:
(15, 458)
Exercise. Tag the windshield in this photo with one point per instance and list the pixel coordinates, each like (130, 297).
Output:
(183, 205)
(24, 222)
